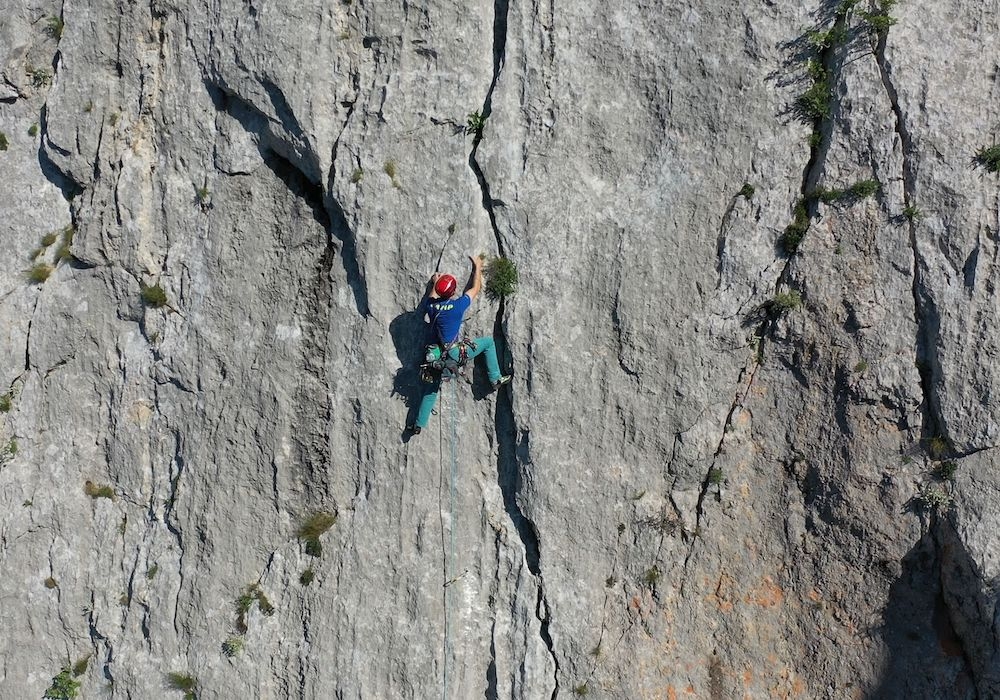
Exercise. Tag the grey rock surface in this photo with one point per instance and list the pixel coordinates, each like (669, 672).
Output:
(729, 465)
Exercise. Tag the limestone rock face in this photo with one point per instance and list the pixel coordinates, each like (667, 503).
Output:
(748, 450)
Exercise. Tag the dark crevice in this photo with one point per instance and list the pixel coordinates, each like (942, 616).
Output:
(69, 187)
(924, 310)
(329, 214)
(500, 10)
(544, 616)
(510, 481)
(491, 670)
(510, 454)
(297, 174)
(27, 336)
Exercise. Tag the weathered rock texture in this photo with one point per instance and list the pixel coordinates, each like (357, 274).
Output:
(687, 491)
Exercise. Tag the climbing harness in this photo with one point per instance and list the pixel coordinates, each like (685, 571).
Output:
(439, 361)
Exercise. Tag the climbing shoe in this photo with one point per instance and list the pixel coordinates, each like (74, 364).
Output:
(413, 429)
(504, 379)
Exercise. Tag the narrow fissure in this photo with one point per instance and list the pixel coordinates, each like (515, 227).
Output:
(924, 314)
(925, 318)
(508, 472)
(706, 483)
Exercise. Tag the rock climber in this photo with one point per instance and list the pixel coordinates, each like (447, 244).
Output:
(446, 310)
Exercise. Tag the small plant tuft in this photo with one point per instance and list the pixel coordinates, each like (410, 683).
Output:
(828, 38)
(475, 124)
(6, 402)
(501, 278)
(33, 130)
(747, 191)
(54, 27)
(796, 231)
(65, 250)
(183, 682)
(80, 667)
(934, 497)
(40, 77)
(153, 296)
(50, 583)
(989, 158)
(782, 302)
(390, 169)
(814, 103)
(863, 189)
(232, 646)
(113, 118)
(581, 690)
(50, 238)
(152, 571)
(861, 366)
(3, 141)
(39, 272)
(307, 576)
(312, 528)
(95, 491)
(610, 581)
(937, 446)
(879, 22)
(946, 470)
(912, 213)
(651, 576)
(715, 476)
(357, 176)
(252, 594)
(64, 686)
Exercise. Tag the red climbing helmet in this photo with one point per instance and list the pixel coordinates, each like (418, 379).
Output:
(445, 286)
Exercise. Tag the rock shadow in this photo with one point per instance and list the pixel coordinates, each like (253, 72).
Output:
(924, 657)
(410, 335)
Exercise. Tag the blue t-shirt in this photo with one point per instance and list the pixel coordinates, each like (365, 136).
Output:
(446, 316)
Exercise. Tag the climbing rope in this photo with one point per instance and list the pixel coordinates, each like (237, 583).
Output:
(450, 555)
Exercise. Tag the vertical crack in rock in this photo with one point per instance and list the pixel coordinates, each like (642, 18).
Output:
(749, 369)
(338, 225)
(926, 319)
(508, 458)
(500, 9)
(27, 335)
(924, 311)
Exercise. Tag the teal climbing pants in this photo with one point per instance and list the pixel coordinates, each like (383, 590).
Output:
(484, 346)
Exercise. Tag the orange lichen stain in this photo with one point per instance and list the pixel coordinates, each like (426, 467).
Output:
(747, 677)
(768, 595)
(745, 490)
(815, 596)
(671, 693)
(798, 687)
(689, 690)
(722, 595)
